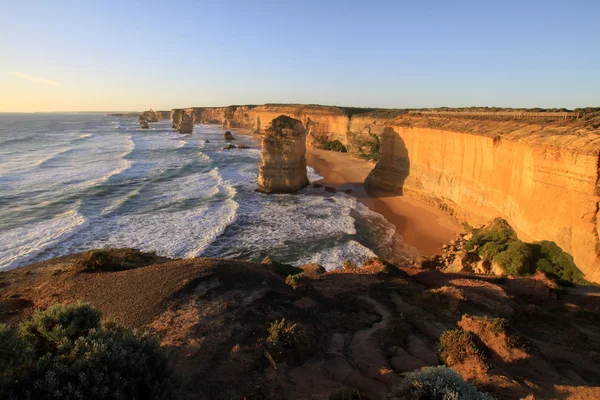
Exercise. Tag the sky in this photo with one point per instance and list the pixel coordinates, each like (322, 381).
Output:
(134, 55)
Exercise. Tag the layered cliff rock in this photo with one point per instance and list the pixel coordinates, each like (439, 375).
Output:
(182, 121)
(282, 167)
(541, 176)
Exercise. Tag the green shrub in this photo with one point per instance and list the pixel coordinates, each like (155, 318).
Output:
(282, 334)
(457, 345)
(552, 259)
(497, 231)
(295, 280)
(435, 383)
(517, 259)
(490, 249)
(346, 394)
(65, 353)
(334, 145)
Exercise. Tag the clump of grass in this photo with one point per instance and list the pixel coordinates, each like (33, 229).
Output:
(517, 259)
(348, 265)
(458, 345)
(552, 259)
(295, 280)
(282, 334)
(334, 145)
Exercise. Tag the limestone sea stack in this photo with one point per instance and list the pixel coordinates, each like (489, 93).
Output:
(182, 122)
(151, 116)
(282, 167)
(143, 123)
(228, 136)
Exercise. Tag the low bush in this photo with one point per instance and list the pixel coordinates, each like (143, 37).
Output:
(95, 260)
(517, 259)
(457, 345)
(334, 145)
(282, 334)
(497, 231)
(552, 259)
(295, 280)
(65, 353)
(435, 383)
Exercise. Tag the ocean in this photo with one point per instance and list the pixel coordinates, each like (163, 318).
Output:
(74, 182)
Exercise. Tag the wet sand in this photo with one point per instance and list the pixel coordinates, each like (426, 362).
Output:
(420, 225)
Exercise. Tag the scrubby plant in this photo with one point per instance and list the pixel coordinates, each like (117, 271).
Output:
(435, 383)
(295, 280)
(95, 260)
(334, 145)
(457, 345)
(346, 394)
(66, 353)
(282, 333)
(552, 259)
(490, 249)
(517, 259)
(348, 265)
(497, 231)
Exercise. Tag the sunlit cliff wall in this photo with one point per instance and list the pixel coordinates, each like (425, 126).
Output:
(541, 176)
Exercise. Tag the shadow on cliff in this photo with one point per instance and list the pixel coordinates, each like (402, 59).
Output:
(393, 167)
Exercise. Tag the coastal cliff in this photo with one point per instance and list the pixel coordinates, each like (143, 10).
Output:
(540, 175)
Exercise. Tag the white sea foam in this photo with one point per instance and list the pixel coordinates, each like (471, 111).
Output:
(20, 245)
(334, 257)
(86, 135)
(312, 175)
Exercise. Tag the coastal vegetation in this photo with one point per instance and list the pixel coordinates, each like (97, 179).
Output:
(65, 352)
(334, 145)
(497, 242)
(235, 329)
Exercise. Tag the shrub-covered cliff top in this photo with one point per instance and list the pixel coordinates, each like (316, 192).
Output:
(228, 324)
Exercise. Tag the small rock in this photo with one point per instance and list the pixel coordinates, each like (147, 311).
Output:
(243, 146)
(228, 136)
(229, 146)
(207, 141)
(348, 191)
(317, 185)
(330, 189)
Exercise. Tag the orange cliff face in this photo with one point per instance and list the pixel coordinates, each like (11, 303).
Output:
(540, 176)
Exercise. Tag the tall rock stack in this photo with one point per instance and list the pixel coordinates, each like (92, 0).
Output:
(143, 122)
(282, 167)
(182, 122)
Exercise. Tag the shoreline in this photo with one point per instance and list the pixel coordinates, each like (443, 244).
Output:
(419, 225)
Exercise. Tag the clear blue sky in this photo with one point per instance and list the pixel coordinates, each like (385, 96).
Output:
(105, 55)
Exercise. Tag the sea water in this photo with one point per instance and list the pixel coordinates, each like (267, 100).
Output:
(73, 182)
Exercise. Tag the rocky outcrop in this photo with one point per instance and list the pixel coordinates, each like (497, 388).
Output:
(143, 123)
(541, 176)
(228, 136)
(282, 167)
(182, 121)
(150, 116)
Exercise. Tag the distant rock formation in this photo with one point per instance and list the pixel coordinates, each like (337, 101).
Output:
(228, 136)
(150, 116)
(282, 167)
(143, 122)
(182, 122)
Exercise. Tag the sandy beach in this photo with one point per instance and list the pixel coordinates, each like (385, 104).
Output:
(420, 225)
